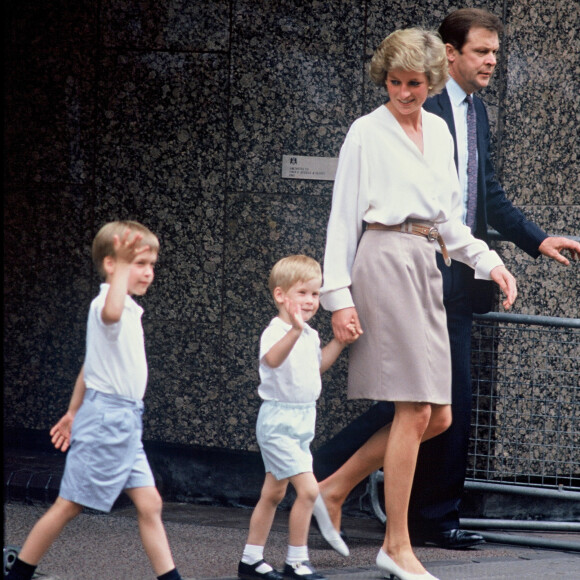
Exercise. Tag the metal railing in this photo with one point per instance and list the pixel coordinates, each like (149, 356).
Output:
(525, 435)
(526, 401)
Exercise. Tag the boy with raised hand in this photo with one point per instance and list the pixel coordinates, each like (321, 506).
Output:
(103, 424)
(291, 362)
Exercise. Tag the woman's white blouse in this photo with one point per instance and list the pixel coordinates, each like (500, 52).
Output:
(383, 177)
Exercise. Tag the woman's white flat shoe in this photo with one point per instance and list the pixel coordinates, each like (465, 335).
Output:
(326, 528)
(386, 564)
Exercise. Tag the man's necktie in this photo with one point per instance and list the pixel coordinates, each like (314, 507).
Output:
(471, 163)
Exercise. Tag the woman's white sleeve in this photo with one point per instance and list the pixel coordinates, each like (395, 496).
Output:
(344, 227)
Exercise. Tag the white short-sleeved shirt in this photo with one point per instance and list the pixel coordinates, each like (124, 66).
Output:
(115, 361)
(297, 379)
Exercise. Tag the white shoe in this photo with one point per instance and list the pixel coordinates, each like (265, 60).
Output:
(388, 565)
(326, 528)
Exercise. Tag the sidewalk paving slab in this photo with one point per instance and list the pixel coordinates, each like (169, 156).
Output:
(207, 542)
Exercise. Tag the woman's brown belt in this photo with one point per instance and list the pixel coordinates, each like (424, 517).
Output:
(425, 229)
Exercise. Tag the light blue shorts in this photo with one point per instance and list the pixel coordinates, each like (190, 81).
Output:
(106, 454)
(284, 432)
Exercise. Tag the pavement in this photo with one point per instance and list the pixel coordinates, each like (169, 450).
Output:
(207, 542)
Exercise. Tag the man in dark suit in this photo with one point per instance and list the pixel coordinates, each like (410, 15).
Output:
(471, 37)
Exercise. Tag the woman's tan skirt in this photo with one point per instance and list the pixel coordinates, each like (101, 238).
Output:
(403, 354)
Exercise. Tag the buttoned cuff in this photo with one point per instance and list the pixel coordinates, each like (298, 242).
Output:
(336, 299)
(486, 264)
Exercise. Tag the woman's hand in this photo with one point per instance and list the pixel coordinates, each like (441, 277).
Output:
(346, 325)
(502, 277)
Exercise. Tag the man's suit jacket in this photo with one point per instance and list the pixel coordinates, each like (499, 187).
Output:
(493, 207)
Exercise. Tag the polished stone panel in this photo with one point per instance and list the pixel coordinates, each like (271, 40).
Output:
(177, 114)
(162, 139)
(295, 88)
(541, 121)
(48, 285)
(50, 104)
(184, 399)
(539, 146)
(176, 25)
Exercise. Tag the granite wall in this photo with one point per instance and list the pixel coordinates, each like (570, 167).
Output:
(177, 114)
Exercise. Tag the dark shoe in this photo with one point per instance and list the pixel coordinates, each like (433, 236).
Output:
(450, 540)
(248, 572)
(290, 572)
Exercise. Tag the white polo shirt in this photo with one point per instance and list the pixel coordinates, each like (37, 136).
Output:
(115, 361)
(297, 379)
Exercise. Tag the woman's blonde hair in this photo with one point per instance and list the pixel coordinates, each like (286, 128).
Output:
(103, 245)
(298, 268)
(411, 49)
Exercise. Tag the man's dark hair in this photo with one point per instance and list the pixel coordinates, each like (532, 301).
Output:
(456, 26)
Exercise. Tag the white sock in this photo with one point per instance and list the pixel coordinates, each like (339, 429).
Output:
(253, 554)
(297, 555)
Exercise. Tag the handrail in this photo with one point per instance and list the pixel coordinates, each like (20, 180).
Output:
(497, 237)
(530, 525)
(518, 489)
(531, 542)
(529, 319)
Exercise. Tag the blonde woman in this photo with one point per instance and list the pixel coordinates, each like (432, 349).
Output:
(396, 201)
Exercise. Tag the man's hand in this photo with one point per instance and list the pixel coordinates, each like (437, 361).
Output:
(501, 276)
(553, 246)
(60, 433)
(346, 325)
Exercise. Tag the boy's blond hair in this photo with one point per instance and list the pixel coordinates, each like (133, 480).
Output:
(298, 268)
(103, 243)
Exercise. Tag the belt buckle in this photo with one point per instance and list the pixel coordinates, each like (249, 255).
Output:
(432, 234)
